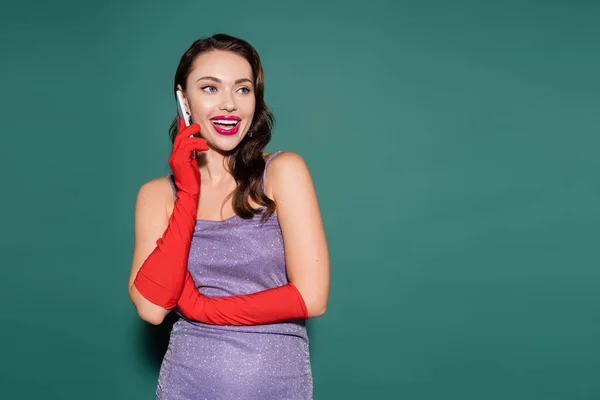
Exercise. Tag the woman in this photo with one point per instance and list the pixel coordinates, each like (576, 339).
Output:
(233, 240)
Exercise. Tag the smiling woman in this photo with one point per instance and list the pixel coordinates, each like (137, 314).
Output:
(233, 97)
(232, 241)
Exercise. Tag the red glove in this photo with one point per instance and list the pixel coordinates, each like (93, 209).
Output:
(160, 279)
(269, 306)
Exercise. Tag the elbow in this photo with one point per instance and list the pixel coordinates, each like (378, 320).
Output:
(147, 311)
(315, 302)
(150, 316)
(316, 309)
(316, 312)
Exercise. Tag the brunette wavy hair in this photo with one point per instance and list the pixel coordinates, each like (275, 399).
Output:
(245, 162)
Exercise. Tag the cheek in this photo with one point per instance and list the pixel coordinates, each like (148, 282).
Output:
(250, 107)
(203, 107)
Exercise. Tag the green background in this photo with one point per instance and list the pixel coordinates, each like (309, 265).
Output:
(454, 148)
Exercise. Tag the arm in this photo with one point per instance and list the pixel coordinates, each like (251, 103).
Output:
(306, 251)
(160, 278)
(151, 220)
(307, 260)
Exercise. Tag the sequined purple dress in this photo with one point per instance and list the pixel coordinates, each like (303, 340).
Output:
(266, 362)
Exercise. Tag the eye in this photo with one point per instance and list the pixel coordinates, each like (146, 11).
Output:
(209, 88)
(244, 90)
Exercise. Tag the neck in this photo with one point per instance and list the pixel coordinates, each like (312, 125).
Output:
(213, 167)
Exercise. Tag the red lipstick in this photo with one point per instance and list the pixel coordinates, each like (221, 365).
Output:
(226, 124)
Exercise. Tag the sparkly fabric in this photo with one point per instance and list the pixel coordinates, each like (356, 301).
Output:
(232, 257)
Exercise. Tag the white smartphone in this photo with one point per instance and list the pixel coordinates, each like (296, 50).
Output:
(183, 114)
(181, 108)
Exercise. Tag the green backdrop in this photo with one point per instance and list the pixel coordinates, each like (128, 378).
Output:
(454, 147)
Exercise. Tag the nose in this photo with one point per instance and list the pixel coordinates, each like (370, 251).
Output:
(227, 102)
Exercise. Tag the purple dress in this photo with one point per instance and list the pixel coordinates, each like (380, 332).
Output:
(232, 257)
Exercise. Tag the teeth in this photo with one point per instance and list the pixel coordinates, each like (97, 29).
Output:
(224, 122)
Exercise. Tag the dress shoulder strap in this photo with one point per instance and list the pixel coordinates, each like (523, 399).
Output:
(268, 160)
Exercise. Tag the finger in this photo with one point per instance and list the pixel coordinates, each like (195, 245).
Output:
(186, 131)
(181, 125)
(180, 128)
(201, 144)
(198, 144)
(193, 150)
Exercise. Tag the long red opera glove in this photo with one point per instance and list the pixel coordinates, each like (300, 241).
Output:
(161, 277)
(269, 306)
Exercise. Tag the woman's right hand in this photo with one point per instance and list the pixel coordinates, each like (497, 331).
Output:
(184, 166)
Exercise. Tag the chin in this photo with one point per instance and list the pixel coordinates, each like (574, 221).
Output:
(225, 143)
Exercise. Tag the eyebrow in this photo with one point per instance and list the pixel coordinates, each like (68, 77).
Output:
(212, 78)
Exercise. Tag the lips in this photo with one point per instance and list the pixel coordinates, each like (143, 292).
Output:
(226, 124)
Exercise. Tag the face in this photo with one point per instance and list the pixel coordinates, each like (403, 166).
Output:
(220, 97)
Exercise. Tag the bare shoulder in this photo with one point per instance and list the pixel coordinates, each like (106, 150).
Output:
(157, 187)
(287, 173)
(287, 162)
(156, 194)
